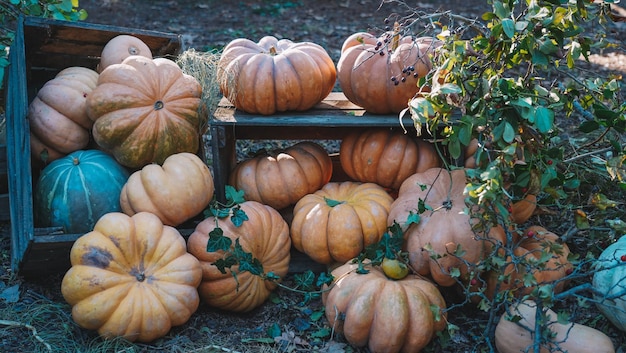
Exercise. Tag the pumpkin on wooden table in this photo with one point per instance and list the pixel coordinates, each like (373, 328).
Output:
(131, 277)
(280, 178)
(58, 115)
(515, 333)
(73, 192)
(145, 110)
(335, 223)
(119, 48)
(176, 191)
(384, 314)
(381, 74)
(264, 235)
(275, 75)
(609, 283)
(444, 239)
(385, 157)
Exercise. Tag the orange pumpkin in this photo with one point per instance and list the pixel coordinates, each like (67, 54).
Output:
(335, 223)
(145, 110)
(275, 75)
(58, 115)
(265, 235)
(444, 226)
(176, 191)
(131, 277)
(383, 314)
(119, 48)
(280, 178)
(385, 157)
(383, 78)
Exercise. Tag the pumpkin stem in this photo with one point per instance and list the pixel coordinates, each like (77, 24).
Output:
(158, 105)
(75, 161)
(332, 203)
(272, 50)
(396, 36)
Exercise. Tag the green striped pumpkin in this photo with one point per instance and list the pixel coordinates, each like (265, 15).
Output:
(75, 191)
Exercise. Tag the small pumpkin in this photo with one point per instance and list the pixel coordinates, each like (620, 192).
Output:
(265, 235)
(444, 226)
(280, 178)
(335, 223)
(515, 333)
(275, 75)
(609, 281)
(385, 157)
(547, 255)
(58, 115)
(383, 314)
(119, 48)
(131, 277)
(381, 74)
(176, 191)
(73, 192)
(144, 110)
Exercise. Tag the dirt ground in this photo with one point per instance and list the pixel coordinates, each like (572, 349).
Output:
(210, 24)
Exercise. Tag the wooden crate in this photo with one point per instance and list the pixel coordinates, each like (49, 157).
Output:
(41, 49)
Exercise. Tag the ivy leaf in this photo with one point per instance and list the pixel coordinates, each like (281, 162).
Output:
(239, 216)
(217, 241)
(234, 196)
(324, 278)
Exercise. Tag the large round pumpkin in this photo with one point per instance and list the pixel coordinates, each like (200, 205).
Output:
(383, 314)
(335, 223)
(58, 115)
(385, 157)
(131, 277)
(381, 74)
(610, 283)
(75, 191)
(280, 178)
(119, 48)
(145, 110)
(275, 75)
(176, 191)
(265, 235)
(445, 227)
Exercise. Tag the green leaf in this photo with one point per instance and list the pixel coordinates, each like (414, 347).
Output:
(509, 133)
(239, 216)
(545, 119)
(274, 330)
(500, 10)
(324, 278)
(508, 26)
(413, 218)
(233, 197)
(217, 241)
(331, 202)
(589, 126)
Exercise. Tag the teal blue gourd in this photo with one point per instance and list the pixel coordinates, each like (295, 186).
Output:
(609, 283)
(75, 191)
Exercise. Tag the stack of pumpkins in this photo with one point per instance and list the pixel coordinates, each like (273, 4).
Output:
(134, 276)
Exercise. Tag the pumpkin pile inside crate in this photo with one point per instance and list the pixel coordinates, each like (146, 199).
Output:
(134, 276)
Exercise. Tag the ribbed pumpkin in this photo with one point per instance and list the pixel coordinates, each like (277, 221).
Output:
(145, 110)
(75, 191)
(275, 75)
(265, 235)
(280, 178)
(443, 226)
(385, 157)
(119, 48)
(610, 283)
(383, 78)
(335, 223)
(383, 314)
(536, 247)
(176, 191)
(58, 115)
(131, 277)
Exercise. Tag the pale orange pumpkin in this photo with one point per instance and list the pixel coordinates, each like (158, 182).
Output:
(444, 227)
(176, 191)
(119, 48)
(280, 178)
(265, 235)
(383, 314)
(382, 79)
(58, 115)
(335, 223)
(385, 157)
(131, 277)
(144, 110)
(275, 75)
